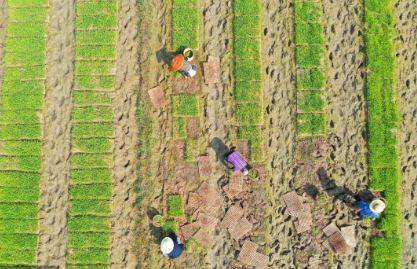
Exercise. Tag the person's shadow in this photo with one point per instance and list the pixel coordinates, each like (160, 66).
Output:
(220, 149)
(165, 56)
(337, 192)
(157, 232)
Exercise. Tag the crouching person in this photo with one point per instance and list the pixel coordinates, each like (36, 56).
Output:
(238, 161)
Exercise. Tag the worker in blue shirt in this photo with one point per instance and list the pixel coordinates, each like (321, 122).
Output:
(371, 210)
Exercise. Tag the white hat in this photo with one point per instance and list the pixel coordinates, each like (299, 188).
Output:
(377, 206)
(245, 172)
(167, 245)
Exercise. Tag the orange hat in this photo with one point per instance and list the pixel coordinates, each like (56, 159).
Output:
(177, 62)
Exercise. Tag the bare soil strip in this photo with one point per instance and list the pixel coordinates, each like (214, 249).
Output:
(53, 236)
(155, 130)
(346, 118)
(3, 21)
(278, 50)
(124, 211)
(218, 105)
(406, 16)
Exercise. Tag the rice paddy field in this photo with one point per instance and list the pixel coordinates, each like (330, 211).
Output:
(88, 158)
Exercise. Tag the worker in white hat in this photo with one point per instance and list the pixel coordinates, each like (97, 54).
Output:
(171, 246)
(371, 210)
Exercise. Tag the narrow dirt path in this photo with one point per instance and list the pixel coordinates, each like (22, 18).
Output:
(124, 212)
(57, 126)
(216, 41)
(3, 22)
(278, 51)
(346, 115)
(406, 16)
(155, 130)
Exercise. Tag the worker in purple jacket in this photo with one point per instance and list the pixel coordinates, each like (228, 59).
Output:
(239, 163)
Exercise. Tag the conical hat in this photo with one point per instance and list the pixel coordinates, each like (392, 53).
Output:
(167, 245)
(377, 206)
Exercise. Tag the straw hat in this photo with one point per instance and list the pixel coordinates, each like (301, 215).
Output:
(377, 206)
(167, 245)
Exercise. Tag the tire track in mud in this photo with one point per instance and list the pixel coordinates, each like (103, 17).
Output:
(346, 115)
(218, 104)
(406, 43)
(124, 211)
(52, 246)
(3, 22)
(278, 51)
(155, 129)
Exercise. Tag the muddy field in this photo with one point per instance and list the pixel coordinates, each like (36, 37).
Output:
(146, 164)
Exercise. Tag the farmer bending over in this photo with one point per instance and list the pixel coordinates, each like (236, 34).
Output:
(239, 163)
(371, 210)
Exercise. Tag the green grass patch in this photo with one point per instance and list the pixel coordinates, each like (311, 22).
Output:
(248, 91)
(311, 124)
(311, 79)
(249, 113)
(98, 21)
(97, 8)
(103, 37)
(90, 207)
(310, 101)
(309, 33)
(22, 87)
(80, 240)
(11, 226)
(95, 52)
(89, 256)
(26, 147)
(247, 26)
(309, 56)
(13, 194)
(36, 14)
(88, 114)
(33, 101)
(25, 131)
(185, 24)
(19, 179)
(94, 68)
(247, 70)
(246, 7)
(86, 176)
(89, 223)
(254, 135)
(19, 241)
(185, 105)
(84, 160)
(19, 210)
(25, 45)
(22, 163)
(96, 82)
(92, 145)
(27, 29)
(92, 130)
(180, 125)
(246, 48)
(169, 226)
(28, 72)
(191, 150)
(23, 58)
(91, 191)
(307, 11)
(18, 258)
(175, 206)
(383, 118)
